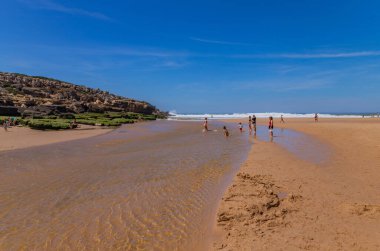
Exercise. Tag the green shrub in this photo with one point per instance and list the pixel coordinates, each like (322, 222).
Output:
(148, 117)
(23, 122)
(67, 116)
(48, 125)
(90, 115)
(123, 121)
(86, 121)
(114, 115)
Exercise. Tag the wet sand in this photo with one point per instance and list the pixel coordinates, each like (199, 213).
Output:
(23, 137)
(279, 201)
(150, 186)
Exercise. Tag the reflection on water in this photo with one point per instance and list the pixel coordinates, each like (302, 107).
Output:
(147, 186)
(301, 145)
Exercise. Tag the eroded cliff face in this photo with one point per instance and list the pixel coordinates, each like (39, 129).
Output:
(43, 96)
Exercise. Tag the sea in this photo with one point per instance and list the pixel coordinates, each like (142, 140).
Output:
(197, 116)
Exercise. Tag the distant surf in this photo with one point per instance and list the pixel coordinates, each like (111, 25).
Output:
(174, 115)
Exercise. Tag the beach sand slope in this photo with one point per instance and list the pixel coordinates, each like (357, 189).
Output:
(279, 202)
(23, 137)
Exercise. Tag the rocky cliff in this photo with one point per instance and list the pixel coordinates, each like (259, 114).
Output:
(29, 95)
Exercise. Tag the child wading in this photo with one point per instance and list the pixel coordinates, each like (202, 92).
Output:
(226, 133)
(240, 127)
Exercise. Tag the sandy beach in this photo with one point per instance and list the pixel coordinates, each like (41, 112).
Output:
(276, 201)
(23, 137)
(280, 202)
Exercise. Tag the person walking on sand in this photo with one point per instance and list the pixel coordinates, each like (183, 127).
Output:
(250, 125)
(270, 126)
(226, 133)
(5, 124)
(205, 125)
(316, 117)
(240, 127)
(282, 119)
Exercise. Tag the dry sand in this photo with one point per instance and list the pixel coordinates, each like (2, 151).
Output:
(23, 137)
(279, 202)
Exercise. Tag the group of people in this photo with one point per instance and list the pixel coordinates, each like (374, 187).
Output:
(7, 122)
(252, 125)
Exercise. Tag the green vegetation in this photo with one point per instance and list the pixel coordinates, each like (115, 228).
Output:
(42, 124)
(66, 121)
(46, 123)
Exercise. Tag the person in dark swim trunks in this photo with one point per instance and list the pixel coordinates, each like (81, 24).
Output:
(254, 123)
(270, 126)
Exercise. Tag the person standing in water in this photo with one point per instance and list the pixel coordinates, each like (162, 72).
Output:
(250, 125)
(254, 123)
(282, 119)
(205, 125)
(270, 126)
(226, 133)
(316, 117)
(240, 127)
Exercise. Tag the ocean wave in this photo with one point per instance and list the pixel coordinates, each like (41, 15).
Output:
(174, 115)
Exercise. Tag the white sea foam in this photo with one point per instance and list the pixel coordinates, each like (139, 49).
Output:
(174, 115)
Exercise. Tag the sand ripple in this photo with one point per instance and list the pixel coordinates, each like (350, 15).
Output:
(140, 189)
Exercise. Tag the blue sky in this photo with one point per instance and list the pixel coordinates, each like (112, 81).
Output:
(204, 56)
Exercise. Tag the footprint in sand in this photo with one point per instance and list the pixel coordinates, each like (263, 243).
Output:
(372, 211)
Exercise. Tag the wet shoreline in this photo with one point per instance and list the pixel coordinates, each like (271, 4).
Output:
(153, 185)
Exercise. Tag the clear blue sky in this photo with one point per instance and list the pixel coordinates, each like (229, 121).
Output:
(204, 55)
